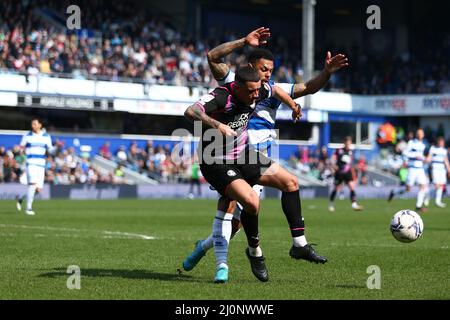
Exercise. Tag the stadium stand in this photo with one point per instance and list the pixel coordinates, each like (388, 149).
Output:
(120, 44)
(126, 165)
(147, 48)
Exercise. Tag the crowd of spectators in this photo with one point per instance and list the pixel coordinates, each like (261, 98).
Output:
(125, 43)
(64, 166)
(74, 165)
(422, 70)
(154, 161)
(318, 164)
(160, 162)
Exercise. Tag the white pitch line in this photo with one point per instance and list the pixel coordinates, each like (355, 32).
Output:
(41, 227)
(142, 236)
(110, 234)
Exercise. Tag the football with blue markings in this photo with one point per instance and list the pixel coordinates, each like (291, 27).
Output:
(406, 226)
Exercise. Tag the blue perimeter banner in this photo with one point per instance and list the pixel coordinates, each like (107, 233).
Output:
(9, 191)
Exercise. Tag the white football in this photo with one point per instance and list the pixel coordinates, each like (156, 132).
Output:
(406, 226)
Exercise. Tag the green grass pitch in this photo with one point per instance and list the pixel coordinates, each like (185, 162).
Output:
(131, 249)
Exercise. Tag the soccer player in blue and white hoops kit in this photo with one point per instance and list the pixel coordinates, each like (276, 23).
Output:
(261, 134)
(415, 158)
(36, 143)
(440, 168)
(415, 154)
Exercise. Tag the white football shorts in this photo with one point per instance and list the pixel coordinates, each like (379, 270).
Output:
(416, 176)
(36, 175)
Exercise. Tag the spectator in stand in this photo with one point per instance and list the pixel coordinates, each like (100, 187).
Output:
(92, 176)
(134, 158)
(361, 167)
(400, 146)
(194, 178)
(304, 155)
(386, 136)
(400, 133)
(105, 152)
(395, 159)
(10, 170)
(314, 168)
(364, 180)
(149, 148)
(121, 155)
(119, 175)
(323, 156)
(159, 157)
(19, 155)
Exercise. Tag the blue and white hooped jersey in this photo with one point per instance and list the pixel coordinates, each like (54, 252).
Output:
(36, 146)
(438, 156)
(261, 126)
(415, 154)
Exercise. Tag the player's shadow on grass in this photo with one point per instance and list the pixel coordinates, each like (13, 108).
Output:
(348, 286)
(123, 273)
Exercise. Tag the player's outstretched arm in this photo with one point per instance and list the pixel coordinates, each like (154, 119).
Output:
(218, 67)
(281, 95)
(332, 64)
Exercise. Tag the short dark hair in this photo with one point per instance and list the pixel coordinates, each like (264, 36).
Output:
(247, 74)
(260, 53)
(37, 119)
(348, 138)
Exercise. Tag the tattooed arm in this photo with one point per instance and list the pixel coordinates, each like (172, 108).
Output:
(197, 112)
(218, 67)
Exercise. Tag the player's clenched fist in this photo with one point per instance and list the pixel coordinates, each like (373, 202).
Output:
(297, 113)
